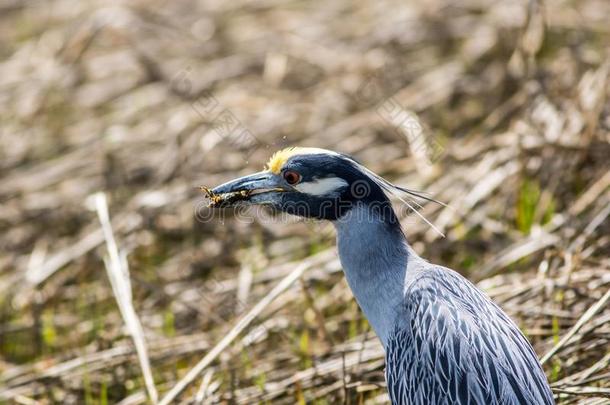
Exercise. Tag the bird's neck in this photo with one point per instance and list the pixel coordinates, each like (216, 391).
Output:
(374, 254)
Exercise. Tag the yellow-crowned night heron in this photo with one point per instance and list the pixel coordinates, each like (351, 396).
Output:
(446, 342)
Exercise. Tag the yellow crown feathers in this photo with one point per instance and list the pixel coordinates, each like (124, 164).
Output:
(279, 158)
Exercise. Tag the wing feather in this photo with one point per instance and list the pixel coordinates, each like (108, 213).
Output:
(453, 345)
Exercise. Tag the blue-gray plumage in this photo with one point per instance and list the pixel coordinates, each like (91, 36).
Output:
(446, 342)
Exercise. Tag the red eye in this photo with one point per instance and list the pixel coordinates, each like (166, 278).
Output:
(291, 177)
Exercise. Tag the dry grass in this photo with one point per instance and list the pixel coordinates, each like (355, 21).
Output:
(499, 109)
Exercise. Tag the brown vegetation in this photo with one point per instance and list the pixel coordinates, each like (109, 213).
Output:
(497, 108)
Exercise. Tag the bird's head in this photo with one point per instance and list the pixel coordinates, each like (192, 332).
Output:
(313, 183)
(308, 182)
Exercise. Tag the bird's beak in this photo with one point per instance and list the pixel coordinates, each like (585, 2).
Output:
(258, 188)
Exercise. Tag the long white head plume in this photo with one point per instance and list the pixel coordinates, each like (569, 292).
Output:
(398, 192)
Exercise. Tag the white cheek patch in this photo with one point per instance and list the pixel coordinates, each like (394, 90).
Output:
(320, 187)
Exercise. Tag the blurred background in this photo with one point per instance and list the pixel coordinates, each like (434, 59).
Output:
(499, 109)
